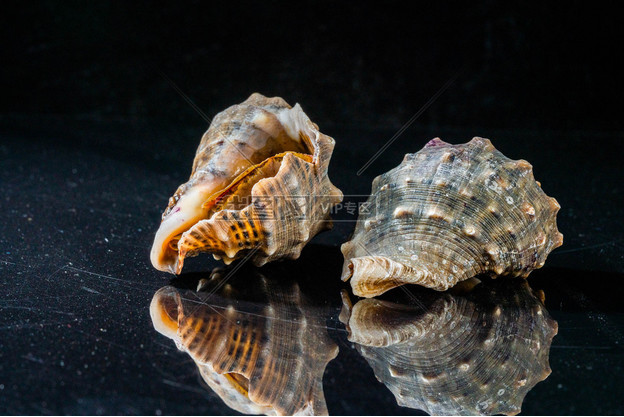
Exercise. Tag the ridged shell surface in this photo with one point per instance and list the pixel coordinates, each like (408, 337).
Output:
(448, 213)
(474, 354)
(259, 183)
(257, 342)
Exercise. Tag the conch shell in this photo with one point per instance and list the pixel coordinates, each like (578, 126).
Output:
(449, 213)
(259, 184)
(260, 344)
(479, 353)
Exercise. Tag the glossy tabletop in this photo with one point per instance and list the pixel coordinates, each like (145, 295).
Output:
(77, 285)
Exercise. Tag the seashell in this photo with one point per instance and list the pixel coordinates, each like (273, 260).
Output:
(479, 353)
(448, 213)
(259, 184)
(260, 344)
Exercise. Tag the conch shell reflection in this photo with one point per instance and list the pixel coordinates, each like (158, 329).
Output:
(261, 345)
(479, 353)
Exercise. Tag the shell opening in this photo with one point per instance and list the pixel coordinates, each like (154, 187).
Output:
(202, 201)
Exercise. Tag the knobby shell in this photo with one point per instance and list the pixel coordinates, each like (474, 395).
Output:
(448, 213)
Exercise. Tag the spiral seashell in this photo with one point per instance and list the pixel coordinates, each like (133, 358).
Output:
(474, 354)
(259, 183)
(448, 213)
(260, 344)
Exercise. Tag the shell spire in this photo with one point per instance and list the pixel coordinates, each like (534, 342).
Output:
(259, 184)
(448, 213)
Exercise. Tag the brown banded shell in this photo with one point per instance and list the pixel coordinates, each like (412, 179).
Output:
(258, 343)
(474, 354)
(448, 213)
(259, 182)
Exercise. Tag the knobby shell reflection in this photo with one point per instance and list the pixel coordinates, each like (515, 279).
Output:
(474, 350)
(260, 343)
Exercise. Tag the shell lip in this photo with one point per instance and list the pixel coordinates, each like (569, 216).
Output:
(183, 216)
(202, 205)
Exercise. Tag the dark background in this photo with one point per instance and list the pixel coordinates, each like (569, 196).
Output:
(96, 134)
(546, 66)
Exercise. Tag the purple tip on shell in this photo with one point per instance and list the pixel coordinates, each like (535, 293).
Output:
(435, 142)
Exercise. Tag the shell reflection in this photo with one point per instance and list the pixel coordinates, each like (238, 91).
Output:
(261, 345)
(476, 353)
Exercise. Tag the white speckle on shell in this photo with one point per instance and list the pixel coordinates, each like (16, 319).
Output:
(470, 230)
(403, 211)
(529, 210)
(491, 250)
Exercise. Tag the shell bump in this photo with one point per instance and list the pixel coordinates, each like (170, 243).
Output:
(259, 183)
(448, 213)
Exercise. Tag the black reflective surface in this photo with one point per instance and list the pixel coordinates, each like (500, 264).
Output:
(77, 284)
(93, 141)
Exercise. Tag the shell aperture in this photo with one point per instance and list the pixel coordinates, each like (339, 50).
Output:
(259, 343)
(448, 213)
(259, 183)
(478, 353)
